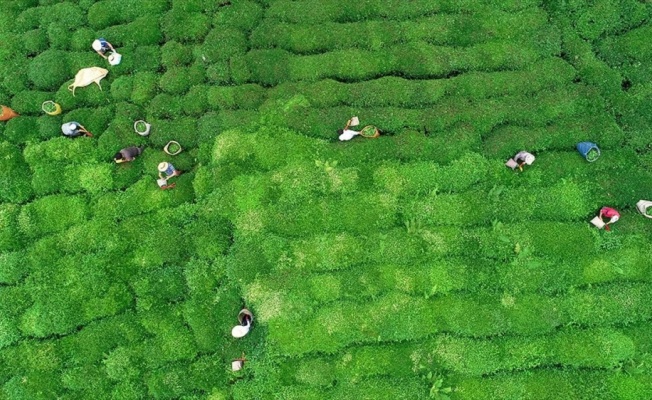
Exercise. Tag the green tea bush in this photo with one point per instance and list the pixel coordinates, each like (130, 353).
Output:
(223, 43)
(59, 36)
(22, 130)
(174, 54)
(168, 382)
(248, 96)
(195, 102)
(29, 102)
(64, 14)
(172, 341)
(184, 26)
(164, 106)
(182, 129)
(145, 87)
(122, 88)
(102, 14)
(143, 31)
(15, 186)
(474, 316)
(39, 384)
(16, 76)
(178, 80)
(244, 15)
(627, 47)
(313, 12)
(29, 18)
(82, 39)
(52, 214)
(143, 58)
(378, 388)
(219, 73)
(49, 69)
(35, 41)
(10, 332)
(444, 29)
(11, 271)
(597, 349)
(159, 287)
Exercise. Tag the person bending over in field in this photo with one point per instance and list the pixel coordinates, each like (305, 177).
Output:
(74, 129)
(127, 154)
(520, 159)
(169, 171)
(346, 133)
(101, 46)
(610, 213)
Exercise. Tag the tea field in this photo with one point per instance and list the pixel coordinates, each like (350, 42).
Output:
(411, 266)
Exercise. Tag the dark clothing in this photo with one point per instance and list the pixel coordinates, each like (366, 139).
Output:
(129, 153)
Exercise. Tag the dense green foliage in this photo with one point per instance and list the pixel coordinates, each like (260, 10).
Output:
(411, 266)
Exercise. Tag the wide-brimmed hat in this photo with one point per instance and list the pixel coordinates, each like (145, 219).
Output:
(529, 159)
(162, 167)
(97, 45)
(239, 331)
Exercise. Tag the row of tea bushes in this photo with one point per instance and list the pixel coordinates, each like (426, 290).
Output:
(311, 12)
(397, 317)
(593, 21)
(333, 279)
(441, 29)
(594, 348)
(399, 92)
(413, 60)
(556, 383)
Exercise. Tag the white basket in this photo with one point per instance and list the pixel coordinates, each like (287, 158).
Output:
(147, 128)
(115, 58)
(161, 182)
(642, 207)
(354, 121)
(598, 222)
(167, 148)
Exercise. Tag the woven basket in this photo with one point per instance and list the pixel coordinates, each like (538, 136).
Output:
(57, 107)
(370, 131)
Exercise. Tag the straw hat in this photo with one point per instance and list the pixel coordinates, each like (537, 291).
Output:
(239, 331)
(97, 46)
(162, 167)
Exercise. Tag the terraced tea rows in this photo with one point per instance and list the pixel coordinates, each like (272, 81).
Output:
(411, 266)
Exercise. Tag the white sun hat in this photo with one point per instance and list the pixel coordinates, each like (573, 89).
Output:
(97, 46)
(239, 331)
(529, 159)
(162, 167)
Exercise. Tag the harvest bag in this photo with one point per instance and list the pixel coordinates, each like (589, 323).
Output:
(598, 222)
(585, 147)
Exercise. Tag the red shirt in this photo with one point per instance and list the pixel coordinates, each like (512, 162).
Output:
(609, 212)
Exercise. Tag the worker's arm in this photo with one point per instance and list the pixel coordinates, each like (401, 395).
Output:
(100, 53)
(85, 131)
(111, 46)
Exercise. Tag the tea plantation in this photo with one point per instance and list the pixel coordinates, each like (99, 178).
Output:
(411, 266)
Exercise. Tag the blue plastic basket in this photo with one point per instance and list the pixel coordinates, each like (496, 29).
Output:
(585, 147)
